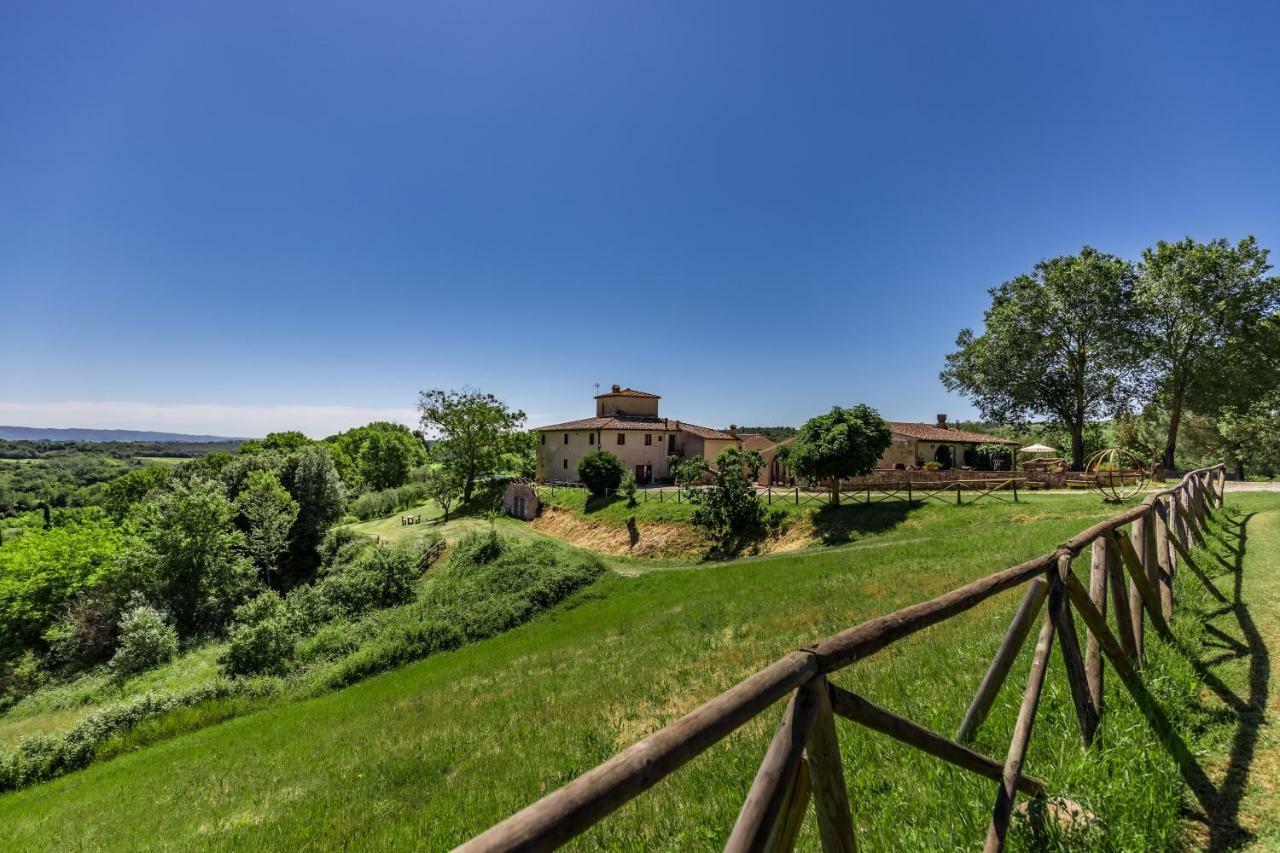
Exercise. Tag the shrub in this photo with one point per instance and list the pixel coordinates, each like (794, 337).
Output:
(307, 608)
(146, 641)
(628, 488)
(42, 757)
(477, 548)
(728, 510)
(331, 641)
(340, 545)
(380, 577)
(932, 465)
(600, 471)
(372, 505)
(396, 647)
(21, 677)
(261, 638)
(260, 647)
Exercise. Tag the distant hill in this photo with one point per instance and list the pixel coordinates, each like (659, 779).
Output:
(20, 433)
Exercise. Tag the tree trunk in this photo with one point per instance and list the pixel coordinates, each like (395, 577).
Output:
(1077, 446)
(467, 488)
(1175, 420)
(1240, 470)
(835, 491)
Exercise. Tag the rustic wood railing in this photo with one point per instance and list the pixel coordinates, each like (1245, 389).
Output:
(803, 760)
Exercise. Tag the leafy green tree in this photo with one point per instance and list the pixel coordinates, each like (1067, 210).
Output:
(1249, 438)
(519, 454)
(146, 641)
(1202, 305)
(42, 572)
(285, 441)
(472, 427)
(842, 443)
(728, 509)
(348, 470)
(128, 489)
(269, 512)
(600, 471)
(444, 487)
(384, 462)
(185, 555)
(312, 480)
(1058, 342)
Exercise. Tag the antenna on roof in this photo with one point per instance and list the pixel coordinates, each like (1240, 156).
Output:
(596, 385)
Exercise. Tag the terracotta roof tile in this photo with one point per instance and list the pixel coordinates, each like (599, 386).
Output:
(930, 432)
(628, 392)
(633, 422)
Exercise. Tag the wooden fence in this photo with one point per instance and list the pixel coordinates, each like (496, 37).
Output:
(957, 491)
(430, 554)
(803, 763)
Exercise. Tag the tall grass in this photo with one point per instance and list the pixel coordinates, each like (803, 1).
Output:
(429, 754)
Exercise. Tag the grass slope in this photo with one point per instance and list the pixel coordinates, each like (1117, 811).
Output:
(425, 756)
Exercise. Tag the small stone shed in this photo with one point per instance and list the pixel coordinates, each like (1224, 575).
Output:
(520, 500)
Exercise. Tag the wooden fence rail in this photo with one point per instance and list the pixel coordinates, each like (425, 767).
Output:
(803, 760)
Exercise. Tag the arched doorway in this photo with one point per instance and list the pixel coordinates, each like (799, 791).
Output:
(943, 456)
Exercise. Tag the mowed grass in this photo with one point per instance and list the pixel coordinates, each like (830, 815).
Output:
(426, 756)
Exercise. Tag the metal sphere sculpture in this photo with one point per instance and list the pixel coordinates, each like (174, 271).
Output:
(1118, 475)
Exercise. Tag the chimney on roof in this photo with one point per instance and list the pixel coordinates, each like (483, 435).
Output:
(617, 388)
(942, 421)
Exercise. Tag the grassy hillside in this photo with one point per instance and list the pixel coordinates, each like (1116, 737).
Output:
(425, 756)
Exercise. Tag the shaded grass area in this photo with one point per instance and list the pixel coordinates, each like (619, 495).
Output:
(426, 756)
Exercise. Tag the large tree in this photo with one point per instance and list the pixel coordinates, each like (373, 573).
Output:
(1204, 306)
(473, 430)
(312, 480)
(269, 513)
(1058, 343)
(842, 443)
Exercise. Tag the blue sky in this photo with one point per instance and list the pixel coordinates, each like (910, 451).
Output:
(236, 217)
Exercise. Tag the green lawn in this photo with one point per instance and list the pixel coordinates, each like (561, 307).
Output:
(425, 756)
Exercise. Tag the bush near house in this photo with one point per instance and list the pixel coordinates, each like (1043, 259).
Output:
(600, 472)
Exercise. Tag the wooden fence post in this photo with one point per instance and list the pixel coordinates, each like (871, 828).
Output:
(1135, 600)
(1159, 549)
(1098, 579)
(1137, 573)
(1077, 681)
(826, 775)
(1023, 619)
(1017, 754)
(1130, 635)
(909, 492)
(763, 806)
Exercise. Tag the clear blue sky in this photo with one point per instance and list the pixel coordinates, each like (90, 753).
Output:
(226, 216)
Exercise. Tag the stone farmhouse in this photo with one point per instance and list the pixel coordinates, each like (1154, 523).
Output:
(627, 424)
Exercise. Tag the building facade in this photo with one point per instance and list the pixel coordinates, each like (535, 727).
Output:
(628, 425)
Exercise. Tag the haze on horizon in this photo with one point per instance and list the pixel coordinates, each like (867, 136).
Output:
(236, 219)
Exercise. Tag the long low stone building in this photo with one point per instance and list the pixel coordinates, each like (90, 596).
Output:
(627, 423)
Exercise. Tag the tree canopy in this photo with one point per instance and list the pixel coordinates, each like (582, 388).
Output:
(1207, 309)
(1058, 343)
(842, 443)
(473, 428)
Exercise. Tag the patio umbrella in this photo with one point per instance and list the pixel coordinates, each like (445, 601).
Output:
(1039, 448)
